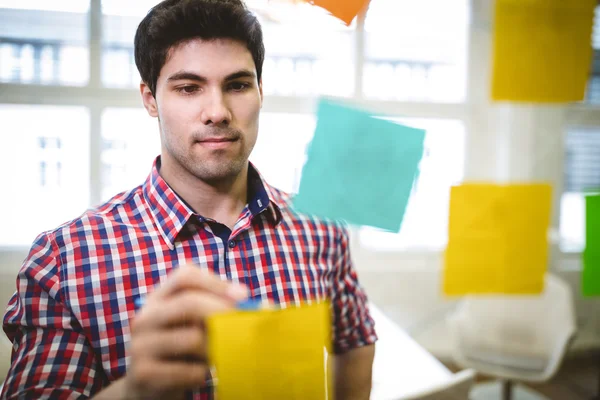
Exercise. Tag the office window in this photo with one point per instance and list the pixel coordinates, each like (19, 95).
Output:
(299, 61)
(308, 51)
(593, 89)
(45, 169)
(119, 22)
(44, 42)
(131, 142)
(50, 162)
(416, 50)
(280, 150)
(582, 174)
(309, 54)
(425, 221)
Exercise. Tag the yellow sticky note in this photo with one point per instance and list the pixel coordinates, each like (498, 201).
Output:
(542, 50)
(346, 10)
(497, 242)
(272, 353)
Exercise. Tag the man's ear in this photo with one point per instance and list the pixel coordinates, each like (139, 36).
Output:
(148, 99)
(260, 90)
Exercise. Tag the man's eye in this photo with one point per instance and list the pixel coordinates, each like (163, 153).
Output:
(187, 89)
(239, 86)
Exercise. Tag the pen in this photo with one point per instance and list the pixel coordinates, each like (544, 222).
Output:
(246, 305)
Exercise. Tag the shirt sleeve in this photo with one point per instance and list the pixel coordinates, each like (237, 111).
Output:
(51, 358)
(353, 325)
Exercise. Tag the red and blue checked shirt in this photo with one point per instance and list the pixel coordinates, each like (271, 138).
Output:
(69, 319)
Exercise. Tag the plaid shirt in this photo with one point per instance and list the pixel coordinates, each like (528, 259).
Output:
(69, 318)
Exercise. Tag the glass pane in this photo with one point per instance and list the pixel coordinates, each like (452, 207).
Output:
(416, 50)
(581, 174)
(44, 42)
(425, 222)
(120, 20)
(132, 8)
(131, 141)
(299, 61)
(593, 89)
(49, 160)
(582, 160)
(280, 150)
(572, 222)
(308, 52)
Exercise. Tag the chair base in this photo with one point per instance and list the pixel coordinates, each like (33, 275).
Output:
(493, 391)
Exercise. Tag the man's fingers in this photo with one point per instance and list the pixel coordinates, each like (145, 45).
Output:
(171, 375)
(185, 308)
(183, 343)
(193, 277)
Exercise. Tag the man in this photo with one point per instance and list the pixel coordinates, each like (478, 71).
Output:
(203, 232)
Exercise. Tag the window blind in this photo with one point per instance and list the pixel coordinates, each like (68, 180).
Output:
(582, 160)
(582, 147)
(593, 89)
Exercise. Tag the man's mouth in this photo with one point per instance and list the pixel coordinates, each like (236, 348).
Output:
(217, 142)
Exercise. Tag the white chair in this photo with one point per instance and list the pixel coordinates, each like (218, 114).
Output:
(457, 388)
(514, 338)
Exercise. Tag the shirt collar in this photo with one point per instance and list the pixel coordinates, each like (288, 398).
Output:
(261, 196)
(171, 213)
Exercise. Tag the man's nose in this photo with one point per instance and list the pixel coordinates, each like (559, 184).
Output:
(215, 110)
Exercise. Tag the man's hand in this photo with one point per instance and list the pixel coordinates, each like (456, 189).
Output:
(168, 339)
(353, 373)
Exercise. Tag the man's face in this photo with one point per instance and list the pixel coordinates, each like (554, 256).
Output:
(207, 101)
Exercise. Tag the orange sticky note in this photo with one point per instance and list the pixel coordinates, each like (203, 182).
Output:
(346, 10)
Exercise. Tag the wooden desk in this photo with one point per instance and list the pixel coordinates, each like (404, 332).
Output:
(402, 367)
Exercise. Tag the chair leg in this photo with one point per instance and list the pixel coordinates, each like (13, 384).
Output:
(507, 389)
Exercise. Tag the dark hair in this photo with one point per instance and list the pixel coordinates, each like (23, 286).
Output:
(175, 21)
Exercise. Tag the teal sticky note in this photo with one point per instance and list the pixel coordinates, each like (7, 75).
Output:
(359, 168)
(591, 255)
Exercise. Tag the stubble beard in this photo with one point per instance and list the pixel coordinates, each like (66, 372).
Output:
(218, 169)
(215, 167)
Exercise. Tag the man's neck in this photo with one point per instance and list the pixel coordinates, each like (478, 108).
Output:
(222, 201)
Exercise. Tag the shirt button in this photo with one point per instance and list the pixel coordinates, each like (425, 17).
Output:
(232, 244)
